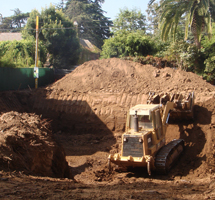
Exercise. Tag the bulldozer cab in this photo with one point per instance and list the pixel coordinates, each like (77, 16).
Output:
(145, 114)
(144, 121)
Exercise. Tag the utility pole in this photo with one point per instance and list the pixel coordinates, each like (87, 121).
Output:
(36, 68)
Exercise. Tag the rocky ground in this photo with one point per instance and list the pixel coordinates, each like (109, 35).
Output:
(54, 141)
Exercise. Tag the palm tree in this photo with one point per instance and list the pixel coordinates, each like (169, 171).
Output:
(196, 13)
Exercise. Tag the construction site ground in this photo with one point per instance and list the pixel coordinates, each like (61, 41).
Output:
(55, 141)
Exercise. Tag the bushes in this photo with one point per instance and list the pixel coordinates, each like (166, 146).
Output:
(209, 72)
(127, 43)
(20, 54)
(186, 56)
(151, 60)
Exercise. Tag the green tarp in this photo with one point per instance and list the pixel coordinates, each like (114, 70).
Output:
(22, 78)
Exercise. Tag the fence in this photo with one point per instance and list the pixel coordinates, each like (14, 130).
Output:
(22, 78)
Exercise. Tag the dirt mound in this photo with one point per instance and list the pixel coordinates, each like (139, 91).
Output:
(116, 75)
(108, 88)
(26, 144)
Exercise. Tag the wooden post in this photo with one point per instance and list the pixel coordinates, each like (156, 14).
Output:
(36, 69)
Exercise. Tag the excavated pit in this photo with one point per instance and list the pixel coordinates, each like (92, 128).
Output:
(86, 113)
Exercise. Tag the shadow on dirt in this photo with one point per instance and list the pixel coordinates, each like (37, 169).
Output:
(79, 169)
(195, 141)
(76, 127)
(14, 101)
(74, 124)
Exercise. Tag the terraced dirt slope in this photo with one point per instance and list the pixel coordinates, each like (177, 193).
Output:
(108, 88)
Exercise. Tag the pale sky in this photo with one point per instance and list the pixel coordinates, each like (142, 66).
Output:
(110, 6)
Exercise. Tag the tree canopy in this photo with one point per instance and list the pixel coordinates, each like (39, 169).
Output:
(58, 35)
(92, 24)
(16, 21)
(197, 16)
(153, 16)
(128, 43)
(130, 20)
(129, 38)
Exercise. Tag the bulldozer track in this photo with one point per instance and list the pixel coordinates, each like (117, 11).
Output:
(168, 155)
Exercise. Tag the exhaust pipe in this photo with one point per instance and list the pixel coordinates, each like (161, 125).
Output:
(136, 124)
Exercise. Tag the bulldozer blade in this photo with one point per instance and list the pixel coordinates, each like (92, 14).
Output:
(183, 104)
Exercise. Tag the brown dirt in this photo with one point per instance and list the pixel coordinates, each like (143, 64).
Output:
(27, 145)
(115, 76)
(87, 111)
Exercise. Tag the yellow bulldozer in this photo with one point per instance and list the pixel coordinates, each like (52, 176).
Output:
(143, 143)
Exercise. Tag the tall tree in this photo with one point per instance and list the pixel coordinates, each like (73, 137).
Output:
(129, 38)
(19, 19)
(61, 5)
(16, 21)
(153, 16)
(197, 16)
(130, 20)
(6, 24)
(58, 35)
(92, 24)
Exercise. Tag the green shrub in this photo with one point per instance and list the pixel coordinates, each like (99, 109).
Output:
(20, 54)
(209, 72)
(127, 43)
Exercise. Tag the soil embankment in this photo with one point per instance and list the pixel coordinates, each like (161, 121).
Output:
(86, 111)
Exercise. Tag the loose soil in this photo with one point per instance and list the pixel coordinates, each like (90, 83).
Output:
(55, 140)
